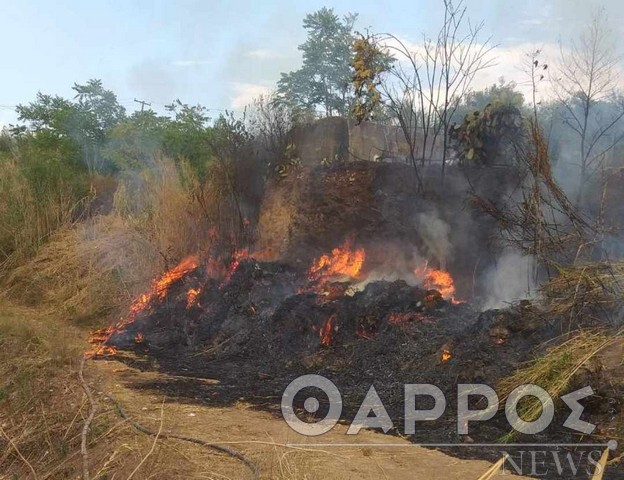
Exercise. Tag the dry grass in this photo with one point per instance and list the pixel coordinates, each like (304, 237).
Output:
(95, 268)
(38, 396)
(76, 273)
(555, 370)
(168, 207)
(585, 290)
(27, 219)
(43, 408)
(86, 271)
(287, 464)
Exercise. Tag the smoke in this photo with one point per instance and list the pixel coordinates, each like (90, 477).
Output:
(511, 278)
(435, 237)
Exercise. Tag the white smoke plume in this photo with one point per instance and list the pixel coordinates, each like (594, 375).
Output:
(435, 235)
(510, 279)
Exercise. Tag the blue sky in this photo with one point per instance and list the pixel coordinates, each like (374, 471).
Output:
(221, 54)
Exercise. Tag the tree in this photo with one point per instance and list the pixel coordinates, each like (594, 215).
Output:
(428, 82)
(369, 62)
(133, 142)
(489, 123)
(185, 135)
(323, 81)
(586, 89)
(188, 135)
(271, 123)
(485, 135)
(504, 93)
(85, 121)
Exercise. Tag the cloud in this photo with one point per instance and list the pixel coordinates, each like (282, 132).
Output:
(190, 63)
(513, 64)
(244, 93)
(533, 21)
(505, 61)
(265, 54)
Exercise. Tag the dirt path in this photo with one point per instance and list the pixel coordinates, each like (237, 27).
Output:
(262, 437)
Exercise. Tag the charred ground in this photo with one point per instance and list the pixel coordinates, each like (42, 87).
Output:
(255, 325)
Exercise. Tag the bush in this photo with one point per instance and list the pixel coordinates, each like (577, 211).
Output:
(43, 186)
(96, 267)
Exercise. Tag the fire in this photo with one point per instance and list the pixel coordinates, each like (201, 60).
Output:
(157, 291)
(446, 354)
(161, 286)
(342, 262)
(191, 297)
(216, 268)
(327, 331)
(237, 257)
(439, 280)
(139, 338)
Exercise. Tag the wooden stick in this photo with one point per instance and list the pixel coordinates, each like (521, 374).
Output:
(602, 465)
(87, 424)
(255, 471)
(156, 437)
(19, 454)
(493, 470)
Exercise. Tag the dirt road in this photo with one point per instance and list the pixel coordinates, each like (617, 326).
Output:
(264, 438)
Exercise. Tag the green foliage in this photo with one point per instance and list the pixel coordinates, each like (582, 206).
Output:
(84, 121)
(230, 137)
(323, 82)
(133, 142)
(188, 136)
(49, 163)
(483, 135)
(41, 188)
(492, 121)
(55, 161)
(290, 161)
(369, 62)
(503, 93)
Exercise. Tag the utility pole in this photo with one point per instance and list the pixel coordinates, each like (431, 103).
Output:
(142, 103)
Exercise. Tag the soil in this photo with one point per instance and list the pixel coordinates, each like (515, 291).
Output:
(264, 437)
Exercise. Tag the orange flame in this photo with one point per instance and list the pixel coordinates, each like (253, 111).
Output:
(327, 332)
(161, 286)
(158, 290)
(237, 257)
(191, 297)
(216, 268)
(446, 354)
(439, 280)
(342, 262)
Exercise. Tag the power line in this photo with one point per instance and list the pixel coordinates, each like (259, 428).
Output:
(143, 103)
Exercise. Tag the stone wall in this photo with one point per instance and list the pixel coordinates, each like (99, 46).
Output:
(338, 138)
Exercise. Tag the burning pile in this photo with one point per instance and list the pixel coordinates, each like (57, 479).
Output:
(197, 302)
(343, 262)
(255, 326)
(157, 293)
